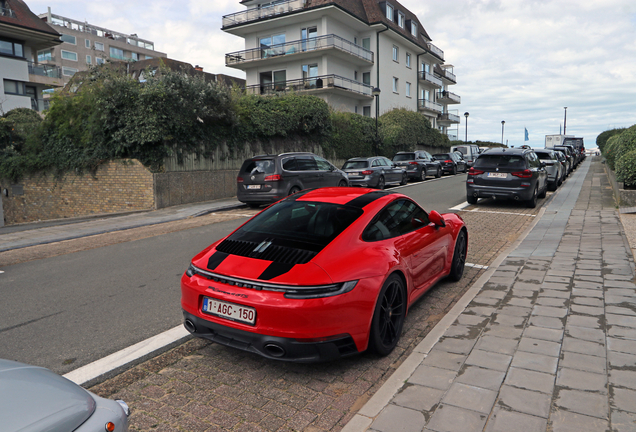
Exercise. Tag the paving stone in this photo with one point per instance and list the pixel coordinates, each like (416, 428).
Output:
(629, 293)
(503, 331)
(515, 311)
(623, 421)
(482, 311)
(587, 310)
(587, 301)
(525, 293)
(503, 420)
(480, 377)
(624, 399)
(433, 377)
(555, 286)
(549, 322)
(582, 380)
(525, 401)
(418, 397)
(621, 360)
(444, 360)
(622, 332)
(509, 320)
(616, 310)
(464, 331)
(470, 397)
(492, 293)
(585, 333)
(584, 321)
(530, 380)
(543, 333)
(550, 311)
(497, 344)
(621, 345)
(520, 301)
(536, 362)
(552, 301)
(395, 418)
(473, 320)
(587, 403)
(623, 378)
(554, 293)
(489, 360)
(587, 293)
(564, 421)
(456, 345)
(615, 299)
(538, 346)
(448, 418)
(584, 362)
(583, 347)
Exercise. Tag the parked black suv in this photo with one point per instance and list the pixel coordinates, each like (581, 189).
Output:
(268, 178)
(507, 174)
(418, 164)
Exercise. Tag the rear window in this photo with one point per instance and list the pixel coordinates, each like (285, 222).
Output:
(441, 156)
(544, 155)
(355, 164)
(462, 150)
(255, 166)
(404, 156)
(500, 161)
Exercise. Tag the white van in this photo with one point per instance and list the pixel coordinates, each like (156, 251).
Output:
(469, 151)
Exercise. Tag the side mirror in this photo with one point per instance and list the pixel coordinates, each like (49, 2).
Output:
(437, 219)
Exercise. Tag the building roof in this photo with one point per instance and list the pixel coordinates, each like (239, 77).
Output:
(25, 19)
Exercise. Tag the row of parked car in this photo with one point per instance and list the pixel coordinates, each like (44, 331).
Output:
(522, 174)
(266, 179)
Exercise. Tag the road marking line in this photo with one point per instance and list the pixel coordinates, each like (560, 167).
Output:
(477, 266)
(508, 213)
(460, 206)
(104, 365)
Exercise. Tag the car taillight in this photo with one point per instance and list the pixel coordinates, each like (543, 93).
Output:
(413, 163)
(448, 161)
(523, 174)
(273, 177)
(367, 172)
(239, 179)
(473, 171)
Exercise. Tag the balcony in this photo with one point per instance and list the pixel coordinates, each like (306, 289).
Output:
(45, 70)
(447, 97)
(431, 79)
(258, 13)
(448, 118)
(446, 74)
(426, 105)
(436, 51)
(314, 85)
(6, 12)
(328, 42)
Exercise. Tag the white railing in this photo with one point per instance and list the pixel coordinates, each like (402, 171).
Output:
(262, 12)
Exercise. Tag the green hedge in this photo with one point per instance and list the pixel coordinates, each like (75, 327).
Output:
(603, 137)
(626, 168)
(609, 150)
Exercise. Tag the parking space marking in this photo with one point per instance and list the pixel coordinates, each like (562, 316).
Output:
(460, 206)
(477, 266)
(507, 213)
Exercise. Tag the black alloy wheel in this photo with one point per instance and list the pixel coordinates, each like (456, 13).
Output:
(381, 183)
(532, 202)
(454, 170)
(294, 190)
(471, 199)
(459, 257)
(390, 310)
(423, 174)
(404, 179)
(342, 183)
(439, 172)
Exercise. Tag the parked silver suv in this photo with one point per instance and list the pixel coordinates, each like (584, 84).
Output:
(266, 179)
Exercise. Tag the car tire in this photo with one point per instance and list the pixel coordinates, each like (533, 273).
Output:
(388, 318)
(553, 185)
(342, 183)
(454, 172)
(438, 174)
(532, 202)
(471, 199)
(253, 205)
(293, 190)
(381, 183)
(543, 192)
(404, 180)
(423, 174)
(459, 257)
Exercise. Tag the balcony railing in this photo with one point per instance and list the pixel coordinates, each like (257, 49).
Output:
(445, 73)
(311, 84)
(430, 78)
(448, 118)
(428, 105)
(45, 70)
(257, 13)
(438, 52)
(6, 12)
(448, 97)
(295, 47)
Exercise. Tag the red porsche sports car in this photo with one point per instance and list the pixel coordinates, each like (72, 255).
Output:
(322, 274)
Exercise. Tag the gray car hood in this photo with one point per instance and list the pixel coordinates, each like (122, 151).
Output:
(36, 399)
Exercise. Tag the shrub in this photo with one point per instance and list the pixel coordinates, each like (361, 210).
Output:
(626, 142)
(601, 139)
(609, 150)
(352, 135)
(626, 168)
(403, 130)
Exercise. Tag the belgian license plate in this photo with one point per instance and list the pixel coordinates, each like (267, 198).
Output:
(231, 311)
(497, 175)
(253, 186)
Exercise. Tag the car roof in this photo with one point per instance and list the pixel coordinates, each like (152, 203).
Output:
(514, 151)
(359, 197)
(362, 158)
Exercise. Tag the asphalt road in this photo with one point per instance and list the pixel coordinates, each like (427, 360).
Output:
(70, 310)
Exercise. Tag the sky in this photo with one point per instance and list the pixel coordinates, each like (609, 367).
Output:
(518, 61)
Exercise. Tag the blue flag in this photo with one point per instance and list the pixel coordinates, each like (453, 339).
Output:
(526, 134)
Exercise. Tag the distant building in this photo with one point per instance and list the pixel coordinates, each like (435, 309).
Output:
(84, 45)
(137, 69)
(341, 50)
(22, 35)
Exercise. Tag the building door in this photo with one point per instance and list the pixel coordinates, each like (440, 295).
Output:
(308, 36)
(33, 94)
(310, 72)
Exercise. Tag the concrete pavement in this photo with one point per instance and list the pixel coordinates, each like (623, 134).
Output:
(548, 342)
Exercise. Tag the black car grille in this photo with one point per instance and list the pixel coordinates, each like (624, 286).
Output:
(279, 254)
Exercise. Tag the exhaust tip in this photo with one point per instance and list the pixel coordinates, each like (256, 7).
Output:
(189, 326)
(517, 198)
(274, 350)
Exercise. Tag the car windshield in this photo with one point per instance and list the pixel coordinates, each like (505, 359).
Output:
(441, 156)
(500, 161)
(254, 166)
(298, 223)
(355, 165)
(404, 156)
(544, 155)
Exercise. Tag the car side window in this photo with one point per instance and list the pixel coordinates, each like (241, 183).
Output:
(289, 164)
(395, 220)
(322, 164)
(385, 162)
(533, 161)
(306, 163)
(376, 163)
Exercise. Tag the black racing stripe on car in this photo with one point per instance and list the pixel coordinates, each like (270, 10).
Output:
(216, 259)
(300, 194)
(274, 270)
(364, 200)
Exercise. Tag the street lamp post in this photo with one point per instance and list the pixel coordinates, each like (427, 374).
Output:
(466, 115)
(565, 119)
(376, 93)
(502, 130)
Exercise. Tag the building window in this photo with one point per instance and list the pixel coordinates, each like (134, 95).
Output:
(11, 48)
(395, 85)
(308, 36)
(401, 19)
(396, 53)
(355, 75)
(116, 53)
(408, 60)
(414, 28)
(366, 78)
(68, 39)
(88, 60)
(87, 42)
(45, 55)
(408, 89)
(99, 46)
(149, 57)
(366, 43)
(69, 55)
(68, 71)
(272, 45)
(99, 60)
(366, 111)
(389, 12)
(14, 87)
(134, 56)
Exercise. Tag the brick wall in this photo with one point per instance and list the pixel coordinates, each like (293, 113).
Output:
(116, 187)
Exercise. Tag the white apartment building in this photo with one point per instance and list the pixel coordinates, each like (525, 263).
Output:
(344, 51)
(22, 34)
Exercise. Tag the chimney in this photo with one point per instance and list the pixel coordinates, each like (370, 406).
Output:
(198, 68)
